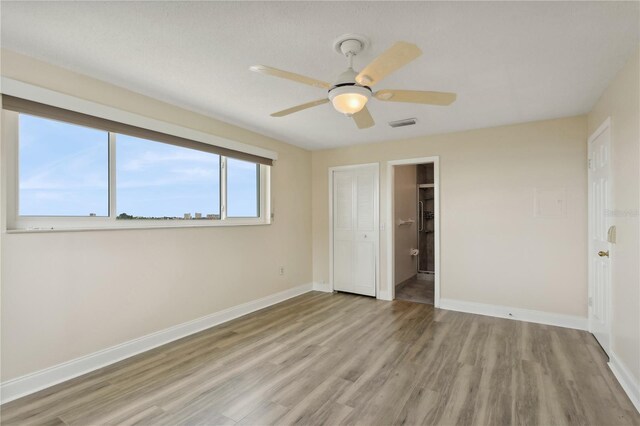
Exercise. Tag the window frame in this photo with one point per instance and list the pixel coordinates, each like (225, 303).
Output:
(225, 169)
(17, 223)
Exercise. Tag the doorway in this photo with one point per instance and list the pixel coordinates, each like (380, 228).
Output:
(413, 230)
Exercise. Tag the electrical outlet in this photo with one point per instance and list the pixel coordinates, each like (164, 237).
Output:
(282, 270)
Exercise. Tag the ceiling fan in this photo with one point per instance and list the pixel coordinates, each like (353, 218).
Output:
(351, 91)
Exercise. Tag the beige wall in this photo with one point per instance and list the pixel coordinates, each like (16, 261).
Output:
(406, 236)
(68, 294)
(621, 101)
(493, 249)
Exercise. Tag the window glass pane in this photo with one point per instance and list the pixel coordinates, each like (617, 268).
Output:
(243, 183)
(155, 180)
(63, 169)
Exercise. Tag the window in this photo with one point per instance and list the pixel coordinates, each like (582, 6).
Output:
(161, 181)
(64, 169)
(243, 188)
(72, 176)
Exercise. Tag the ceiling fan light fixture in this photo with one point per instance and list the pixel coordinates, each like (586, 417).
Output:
(351, 91)
(350, 99)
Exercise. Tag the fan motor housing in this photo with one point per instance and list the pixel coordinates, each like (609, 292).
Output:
(349, 88)
(348, 78)
(356, 88)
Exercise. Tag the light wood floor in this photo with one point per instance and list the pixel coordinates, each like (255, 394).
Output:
(343, 359)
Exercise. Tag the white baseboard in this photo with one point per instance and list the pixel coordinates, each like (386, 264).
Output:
(628, 382)
(324, 287)
(540, 317)
(33, 382)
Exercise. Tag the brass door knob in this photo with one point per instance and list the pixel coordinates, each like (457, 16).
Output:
(603, 253)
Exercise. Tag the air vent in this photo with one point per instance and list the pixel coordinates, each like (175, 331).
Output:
(402, 123)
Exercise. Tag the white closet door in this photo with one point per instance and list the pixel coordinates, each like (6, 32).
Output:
(355, 230)
(343, 231)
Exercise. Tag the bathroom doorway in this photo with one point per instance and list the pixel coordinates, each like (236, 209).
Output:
(415, 231)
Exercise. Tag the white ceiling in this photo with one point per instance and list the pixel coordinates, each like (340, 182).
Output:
(509, 62)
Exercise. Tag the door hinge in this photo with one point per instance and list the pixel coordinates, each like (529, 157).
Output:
(589, 163)
(590, 301)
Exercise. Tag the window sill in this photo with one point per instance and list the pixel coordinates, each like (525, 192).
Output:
(135, 226)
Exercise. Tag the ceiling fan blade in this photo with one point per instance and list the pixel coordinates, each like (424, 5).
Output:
(416, 97)
(392, 59)
(363, 119)
(300, 107)
(262, 69)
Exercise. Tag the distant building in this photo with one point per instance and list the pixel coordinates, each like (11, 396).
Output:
(198, 215)
(187, 216)
(211, 216)
(92, 214)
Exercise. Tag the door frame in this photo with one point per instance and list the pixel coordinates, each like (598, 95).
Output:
(391, 269)
(376, 207)
(605, 126)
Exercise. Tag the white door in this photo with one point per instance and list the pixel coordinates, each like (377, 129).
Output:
(599, 225)
(355, 229)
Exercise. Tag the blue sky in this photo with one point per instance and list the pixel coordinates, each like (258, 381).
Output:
(64, 172)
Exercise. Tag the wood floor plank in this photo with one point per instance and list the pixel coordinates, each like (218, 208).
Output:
(420, 404)
(266, 413)
(333, 359)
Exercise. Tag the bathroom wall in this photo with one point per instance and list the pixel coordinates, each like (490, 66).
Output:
(405, 235)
